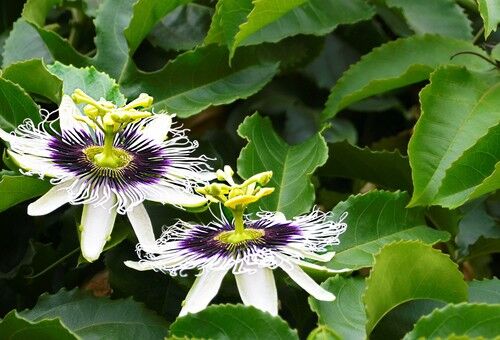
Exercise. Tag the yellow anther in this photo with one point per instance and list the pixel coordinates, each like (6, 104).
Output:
(108, 121)
(86, 120)
(91, 111)
(239, 201)
(120, 116)
(264, 192)
(135, 114)
(144, 100)
(261, 178)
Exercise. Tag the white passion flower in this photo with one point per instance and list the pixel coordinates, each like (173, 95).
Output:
(265, 244)
(110, 159)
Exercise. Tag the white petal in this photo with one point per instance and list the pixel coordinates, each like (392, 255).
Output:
(8, 137)
(321, 268)
(155, 265)
(204, 289)
(158, 127)
(51, 200)
(143, 228)
(67, 110)
(39, 165)
(169, 195)
(305, 281)
(258, 289)
(201, 176)
(97, 224)
(279, 216)
(303, 253)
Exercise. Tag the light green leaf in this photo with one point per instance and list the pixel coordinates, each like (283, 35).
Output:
(470, 101)
(376, 219)
(292, 166)
(410, 270)
(490, 12)
(16, 106)
(17, 189)
(36, 11)
(34, 77)
(90, 317)
(443, 17)
(232, 322)
(345, 315)
(146, 14)
(96, 84)
(200, 78)
(465, 319)
(323, 333)
(412, 60)
(15, 327)
(387, 168)
(271, 21)
(485, 291)
(229, 15)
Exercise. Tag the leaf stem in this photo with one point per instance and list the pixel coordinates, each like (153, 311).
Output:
(62, 259)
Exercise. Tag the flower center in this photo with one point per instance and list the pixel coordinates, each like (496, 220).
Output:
(233, 237)
(115, 159)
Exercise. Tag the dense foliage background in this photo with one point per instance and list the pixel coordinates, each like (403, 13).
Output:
(387, 109)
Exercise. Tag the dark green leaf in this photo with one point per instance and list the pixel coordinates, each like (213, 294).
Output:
(232, 322)
(15, 327)
(17, 189)
(376, 219)
(485, 291)
(16, 106)
(292, 166)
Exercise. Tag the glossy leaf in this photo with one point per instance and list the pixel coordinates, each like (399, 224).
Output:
(490, 12)
(91, 317)
(232, 322)
(345, 315)
(323, 333)
(410, 270)
(292, 166)
(15, 327)
(443, 17)
(388, 168)
(34, 77)
(17, 189)
(471, 320)
(442, 171)
(485, 291)
(412, 60)
(376, 219)
(271, 21)
(16, 106)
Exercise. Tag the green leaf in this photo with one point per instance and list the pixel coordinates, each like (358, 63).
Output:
(200, 78)
(16, 106)
(292, 166)
(17, 189)
(232, 322)
(323, 333)
(96, 84)
(465, 319)
(15, 327)
(443, 17)
(346, 314)
(490, 12)
(146, 14)
(387, 168)
(471, 101)
(229, 15)
(271, 21)
(35, 78)
(412, 60)
(91, 317)
(410, 270)
(485, 291)
(376, 219)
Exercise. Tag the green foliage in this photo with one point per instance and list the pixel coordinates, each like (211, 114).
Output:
(15, 327)
(16, 106)
(485, 291)
(490, 12)
(292, 166)
(16, 189)
(231, 322)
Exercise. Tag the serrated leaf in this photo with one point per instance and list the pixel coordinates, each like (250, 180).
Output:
(346, 314)
(490, 12)
(15, 327)
(91, 317)
(410, 270)
(17, 189)
(412, 60)
(34, 77)
(472, 101)
(387, 168)
(443, 17)
(146, 14)
(376, 219)
(292, 166)
(228, 16)
(16, 106)
(485, 291)
(96, 84)
(271, 21)
(232, 322)
(466, 319)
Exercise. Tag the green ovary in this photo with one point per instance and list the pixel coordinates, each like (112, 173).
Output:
(234, 237)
